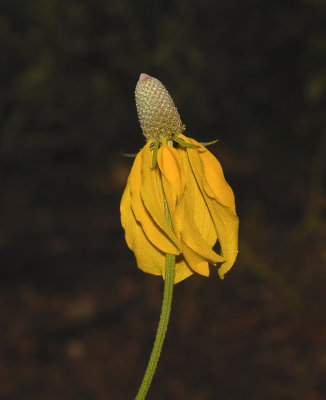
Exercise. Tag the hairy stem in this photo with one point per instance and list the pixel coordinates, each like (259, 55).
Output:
(164, 318)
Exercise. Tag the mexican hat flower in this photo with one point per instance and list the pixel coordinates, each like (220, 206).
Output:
(176, 173)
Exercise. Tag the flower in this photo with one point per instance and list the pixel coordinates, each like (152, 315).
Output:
(180, 171)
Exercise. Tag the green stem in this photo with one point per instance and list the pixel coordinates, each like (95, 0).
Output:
(164, 319)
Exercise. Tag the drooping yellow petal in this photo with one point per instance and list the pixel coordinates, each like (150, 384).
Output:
(191, 236)
(173, 176)
(151, 190)
(195, 261)
(227, 225)
(194, 219)
(214, 183)
(149, 258)
(215, 180)
(224, 217)
(125, 210)
(149, 226)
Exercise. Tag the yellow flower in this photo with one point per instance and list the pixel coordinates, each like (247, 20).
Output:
(190, 180)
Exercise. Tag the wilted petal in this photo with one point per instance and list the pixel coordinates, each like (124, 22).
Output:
(194, 219)
(226, 224)
(173, 176)
(224, 218)
(196, 262)
(211, 173)
(215, 180)
(153, 232)
(152, 194)
(125, 210)
(149, 258)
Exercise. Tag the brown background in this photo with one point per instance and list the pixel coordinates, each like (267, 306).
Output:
(77, 317)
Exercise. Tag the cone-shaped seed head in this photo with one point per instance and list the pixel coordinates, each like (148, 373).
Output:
(157, 113)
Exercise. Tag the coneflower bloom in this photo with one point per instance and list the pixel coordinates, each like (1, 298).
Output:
(177, 171)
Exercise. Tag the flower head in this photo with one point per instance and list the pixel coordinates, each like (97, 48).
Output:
(158, 116)
(190, 181)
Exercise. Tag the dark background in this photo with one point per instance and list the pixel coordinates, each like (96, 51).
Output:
(77, 317)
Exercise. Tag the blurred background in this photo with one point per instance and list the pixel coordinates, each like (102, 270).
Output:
(77, 317)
